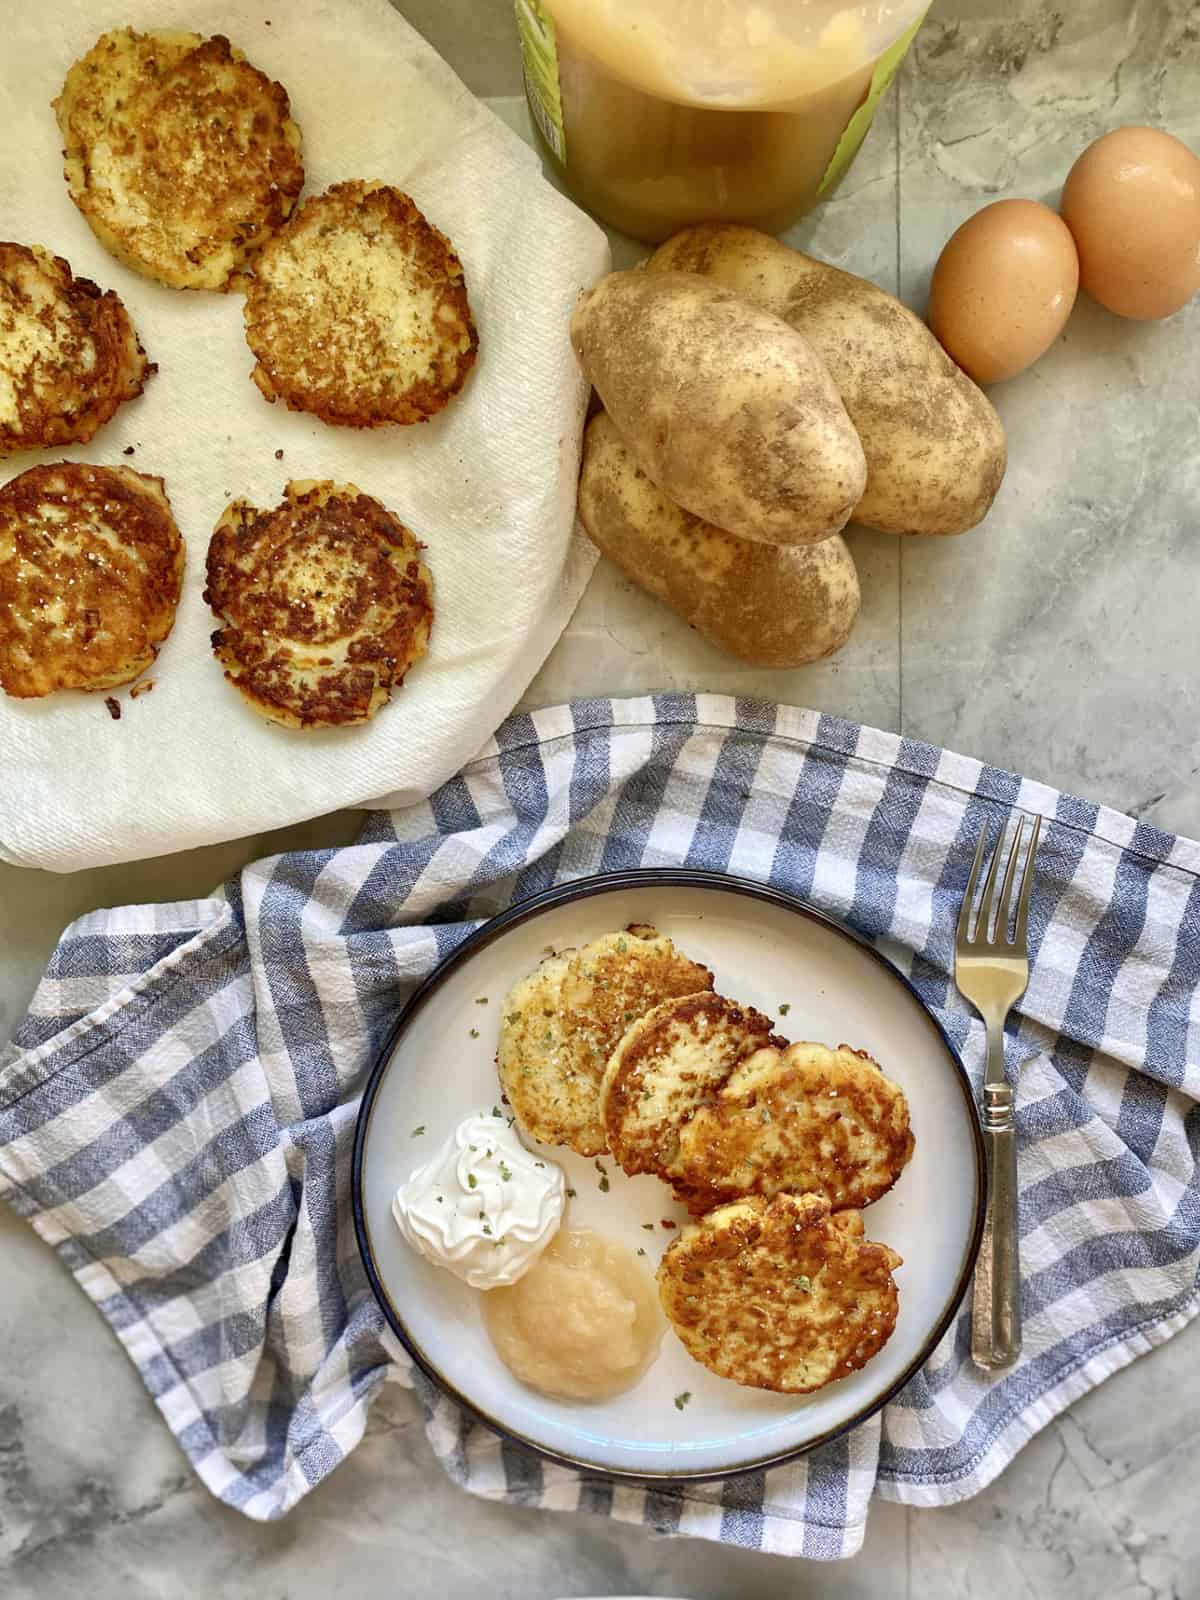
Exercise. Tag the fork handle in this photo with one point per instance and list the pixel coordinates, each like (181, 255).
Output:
(996, 1306)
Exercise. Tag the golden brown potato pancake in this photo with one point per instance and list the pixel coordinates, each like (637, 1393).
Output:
(324, 600)
(91, 564)
(778, 1294)
(68, 352)
(358, 311)
(182, 156)
(560, 1024)
(700, 1092)
(669, 1063)
(807, 1119)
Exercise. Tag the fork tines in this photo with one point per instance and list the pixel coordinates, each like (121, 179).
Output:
(1000, 922)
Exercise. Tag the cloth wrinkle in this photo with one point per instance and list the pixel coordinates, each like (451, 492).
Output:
(177, 1110)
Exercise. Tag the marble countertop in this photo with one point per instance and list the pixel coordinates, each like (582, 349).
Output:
(1058, 639)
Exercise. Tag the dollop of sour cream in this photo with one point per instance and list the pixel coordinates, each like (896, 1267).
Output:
(485, 1207)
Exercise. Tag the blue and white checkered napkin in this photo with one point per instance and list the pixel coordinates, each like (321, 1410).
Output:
(177, 1112)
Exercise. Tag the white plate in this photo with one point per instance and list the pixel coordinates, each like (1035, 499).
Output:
(767, 950)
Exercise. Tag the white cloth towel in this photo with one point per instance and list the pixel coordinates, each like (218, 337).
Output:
(489, 485)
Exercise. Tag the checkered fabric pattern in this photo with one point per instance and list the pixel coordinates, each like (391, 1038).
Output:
(177, 1110)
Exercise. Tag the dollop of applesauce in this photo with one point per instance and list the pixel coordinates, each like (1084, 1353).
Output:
(582, 1324)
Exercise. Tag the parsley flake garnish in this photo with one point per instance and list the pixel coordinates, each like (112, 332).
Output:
(682, 1399)
(496, 1111)
(474, 1033)
(804, 1283)
(785, 1008)
(641, 1252)
(649, 1227)
(504, 1172)
(570, 1194)
(417, 1131)
(470, 1180)
(482, 1000)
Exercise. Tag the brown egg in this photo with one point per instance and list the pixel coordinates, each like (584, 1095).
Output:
(1003, 287)
(1132, 200)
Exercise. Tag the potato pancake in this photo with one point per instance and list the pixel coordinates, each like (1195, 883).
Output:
(181, 155)
(669, 1063)
(91, 564)
(68, 352)
(560, 1024)
(358, 311)
(807, 1119)
(778, 1294)
(324, 600)
(700, 1092)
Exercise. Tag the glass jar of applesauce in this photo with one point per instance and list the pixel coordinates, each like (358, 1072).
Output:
(658, 113)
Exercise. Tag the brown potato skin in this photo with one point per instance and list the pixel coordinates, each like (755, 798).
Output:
(770, 605)
(935, 447)
(726, 408)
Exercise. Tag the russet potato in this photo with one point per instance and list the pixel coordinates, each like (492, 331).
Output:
(725, 407)
(770, 605)
(935, 447)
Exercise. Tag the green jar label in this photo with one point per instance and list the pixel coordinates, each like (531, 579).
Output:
(857, 128)
(539, 56)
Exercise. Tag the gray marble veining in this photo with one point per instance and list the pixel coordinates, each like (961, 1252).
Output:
(1058, 639)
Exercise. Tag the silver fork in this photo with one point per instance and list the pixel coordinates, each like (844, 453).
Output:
(991, 969)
